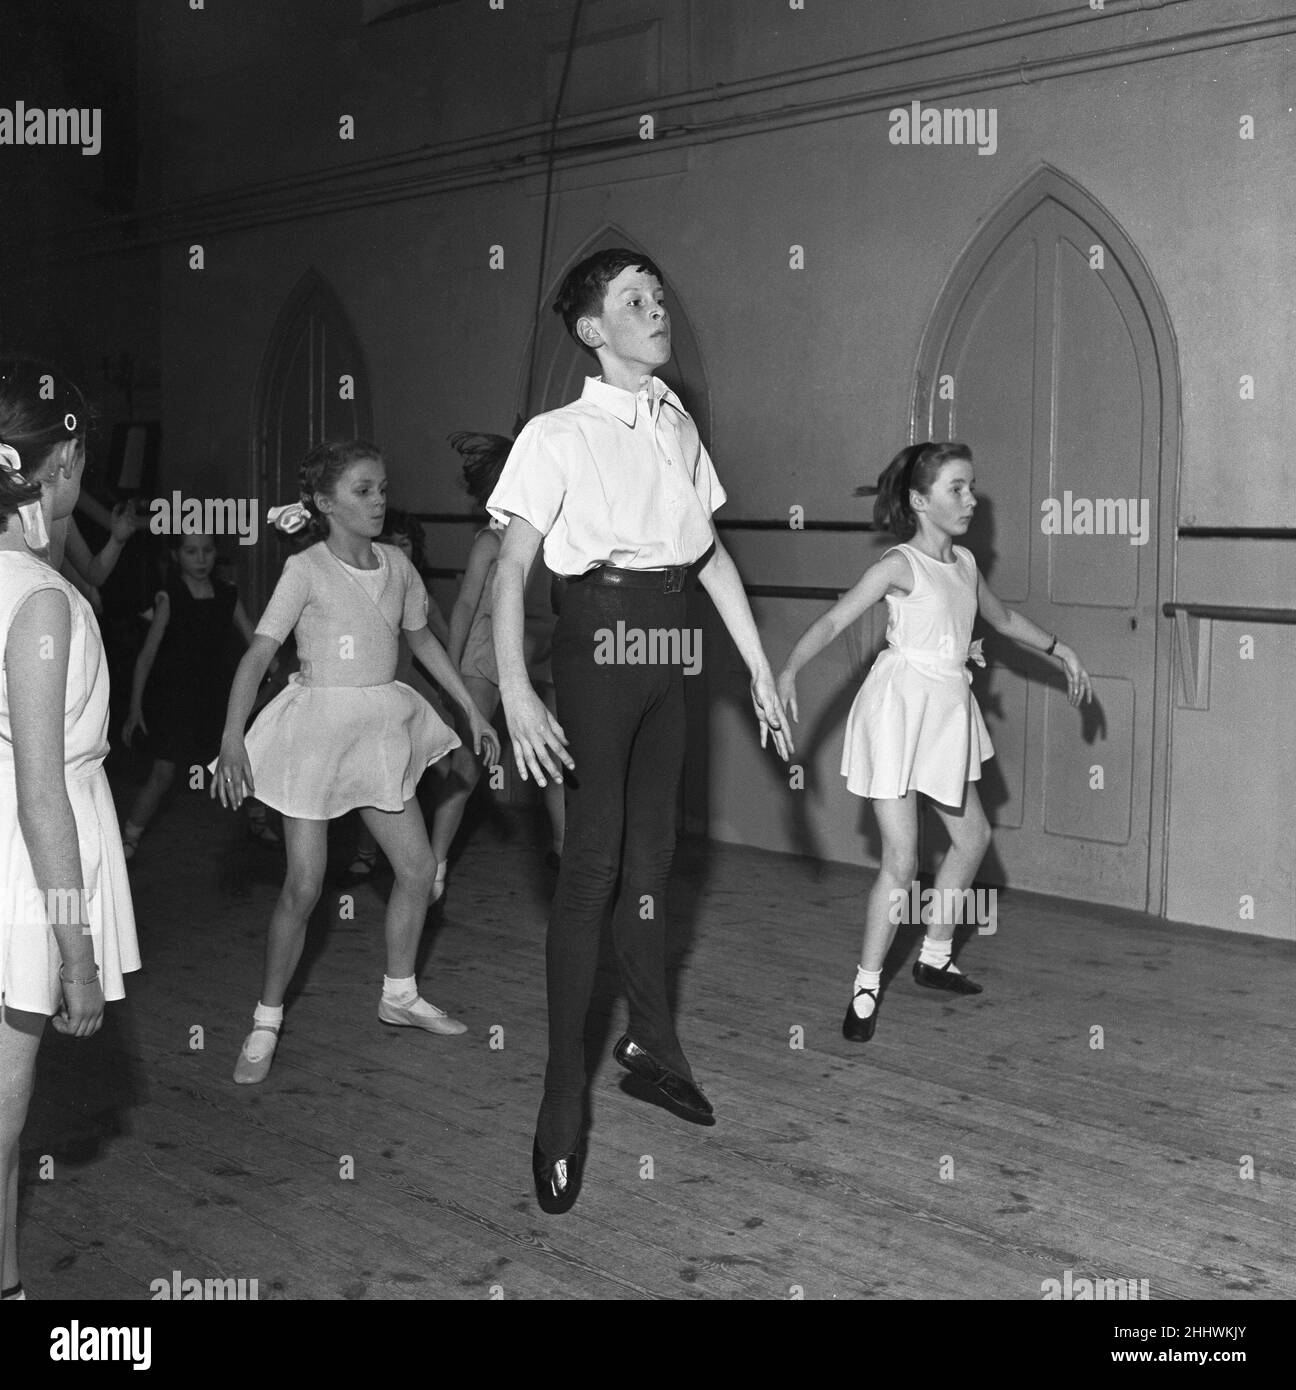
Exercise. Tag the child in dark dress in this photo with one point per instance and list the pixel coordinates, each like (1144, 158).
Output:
(182, 675)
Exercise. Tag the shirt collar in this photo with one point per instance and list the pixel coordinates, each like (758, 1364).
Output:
(624, 404)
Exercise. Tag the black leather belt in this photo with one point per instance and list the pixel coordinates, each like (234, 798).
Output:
(669, 580)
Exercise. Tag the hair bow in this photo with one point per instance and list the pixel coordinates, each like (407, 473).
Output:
(290, 518)
(30, 514)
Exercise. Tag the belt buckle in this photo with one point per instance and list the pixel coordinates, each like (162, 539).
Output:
(675, 578)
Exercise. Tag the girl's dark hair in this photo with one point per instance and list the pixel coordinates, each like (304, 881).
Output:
(484, 457)
(400, 523)
(171, 550)
(914, 469)
(322, 469)
(40, 409)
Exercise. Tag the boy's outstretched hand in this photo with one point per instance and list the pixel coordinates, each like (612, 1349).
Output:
(771, 715)
(539, 744)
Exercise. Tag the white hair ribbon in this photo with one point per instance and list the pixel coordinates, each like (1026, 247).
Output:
(290, 518)
(30, 514)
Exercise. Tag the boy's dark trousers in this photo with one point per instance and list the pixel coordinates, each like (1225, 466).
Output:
(625, 729)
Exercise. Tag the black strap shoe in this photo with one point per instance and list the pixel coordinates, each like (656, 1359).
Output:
(855, 1028)
(557, 1181)
(683, 1094)
(942, 977)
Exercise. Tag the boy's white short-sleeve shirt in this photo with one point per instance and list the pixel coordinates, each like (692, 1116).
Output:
(613, 478)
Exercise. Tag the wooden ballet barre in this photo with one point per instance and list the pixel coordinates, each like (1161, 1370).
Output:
(782, 524)
(1238, 533)
(737, 524)
(1193, 625)
(1226, 613)
(792, 591)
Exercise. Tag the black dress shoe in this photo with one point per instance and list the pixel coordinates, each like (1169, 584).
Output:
(942, 977)
(681, 1092)
(557, 1181)
(855, 1028)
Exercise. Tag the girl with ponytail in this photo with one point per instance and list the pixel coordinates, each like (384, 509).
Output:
(915, 727)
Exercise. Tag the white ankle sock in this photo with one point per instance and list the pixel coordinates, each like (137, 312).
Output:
(401, 993)
(864, 1004)
(937, 955)
(259, 1043)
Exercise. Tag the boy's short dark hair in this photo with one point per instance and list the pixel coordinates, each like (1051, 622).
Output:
(584, 288)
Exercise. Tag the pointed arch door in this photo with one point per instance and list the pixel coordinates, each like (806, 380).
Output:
(1050, 354)
(559, 377)
(313, 385)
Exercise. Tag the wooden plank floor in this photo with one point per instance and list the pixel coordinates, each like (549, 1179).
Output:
(823, 1174)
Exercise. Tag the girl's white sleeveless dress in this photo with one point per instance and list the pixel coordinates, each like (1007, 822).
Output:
(915, 724)
(29, 954)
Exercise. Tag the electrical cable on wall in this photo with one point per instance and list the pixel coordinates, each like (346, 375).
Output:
(525, 414)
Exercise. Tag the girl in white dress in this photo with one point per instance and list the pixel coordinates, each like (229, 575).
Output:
(345, 734)
(915, 726)
(67, 929)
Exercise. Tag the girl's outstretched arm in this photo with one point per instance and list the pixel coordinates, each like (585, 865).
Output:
(79, 582)
(891, 571)
(442, 670)
(437, 624)
(97, 568)
(232, 780)
(485, 550)
(144, 666)
(1020, 628)
(242, 623)
(95, 510)
(243, 626)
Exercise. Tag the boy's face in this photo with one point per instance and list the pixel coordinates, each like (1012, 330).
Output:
(632, 335)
